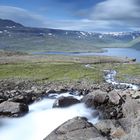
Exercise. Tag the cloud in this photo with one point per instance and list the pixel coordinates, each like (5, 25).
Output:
(21, 15)
(108, 15)
(123, 14)
(116, 9)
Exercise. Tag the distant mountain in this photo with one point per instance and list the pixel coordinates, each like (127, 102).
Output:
(14, 36)
(4, 23)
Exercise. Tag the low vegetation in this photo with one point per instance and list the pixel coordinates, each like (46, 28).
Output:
(63, 68)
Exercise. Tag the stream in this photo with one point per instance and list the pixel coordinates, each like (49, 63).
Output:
(42, 119)
(110, 78)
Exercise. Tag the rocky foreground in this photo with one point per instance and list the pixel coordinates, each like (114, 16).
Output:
(118, 110)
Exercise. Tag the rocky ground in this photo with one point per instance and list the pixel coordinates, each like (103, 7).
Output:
(118, 110)
(119, 118)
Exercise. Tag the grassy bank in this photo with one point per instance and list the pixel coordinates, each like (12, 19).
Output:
(49, 72)
(63, 68)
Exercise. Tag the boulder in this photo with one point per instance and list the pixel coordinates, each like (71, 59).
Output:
(132, 127)
(131, 108)
(75, 129)
(108, 104)
(65, 101)
(110, 128)
(95, 99)
(114, 98)
(12, 109)
(26, 99)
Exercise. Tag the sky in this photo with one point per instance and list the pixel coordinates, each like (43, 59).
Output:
(84, 15)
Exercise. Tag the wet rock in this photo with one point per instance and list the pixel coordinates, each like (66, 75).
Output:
(65, 101)
(12, 109)
(75, 129)
(50, 91)
(26, 99)
(63, 90)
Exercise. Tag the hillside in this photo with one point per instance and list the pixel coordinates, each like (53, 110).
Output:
(4, 23)
(16, 37)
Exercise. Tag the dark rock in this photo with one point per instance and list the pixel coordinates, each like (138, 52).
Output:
(75, 129)
(50, 91)
(2, 100)
(134, 60)
(106, 87)
(63, 90)
(26, 99)
(108, 104)
(100, 99)
(65, 101)
(12, 109)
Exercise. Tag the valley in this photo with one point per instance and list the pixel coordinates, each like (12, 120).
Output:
(62, 84)
(16, 37)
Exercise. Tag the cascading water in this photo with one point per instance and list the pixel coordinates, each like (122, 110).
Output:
(42, 119)
(110, 78)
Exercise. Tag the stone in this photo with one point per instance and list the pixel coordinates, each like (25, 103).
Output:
(75, 129)
(65, 101)
(51, 91)
(110, 128)
(108, 104)
(26, 99)
(135, 95)
(114, 98)
(130, 108)
(132, 127)
(12, 109)
(100, 99)
(95, 99)
(118, 133)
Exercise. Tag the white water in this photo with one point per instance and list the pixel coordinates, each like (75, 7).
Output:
(110, 78)
(41, 120)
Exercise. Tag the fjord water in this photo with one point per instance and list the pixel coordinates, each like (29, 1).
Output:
(122, 52)
(41, 120)
(118, 52)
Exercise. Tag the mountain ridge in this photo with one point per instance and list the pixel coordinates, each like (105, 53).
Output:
(15, 36)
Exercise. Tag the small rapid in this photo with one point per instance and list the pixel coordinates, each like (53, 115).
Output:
(42, 119)
(110, 78)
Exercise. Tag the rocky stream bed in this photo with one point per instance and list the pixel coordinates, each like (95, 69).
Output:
(111, 112)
